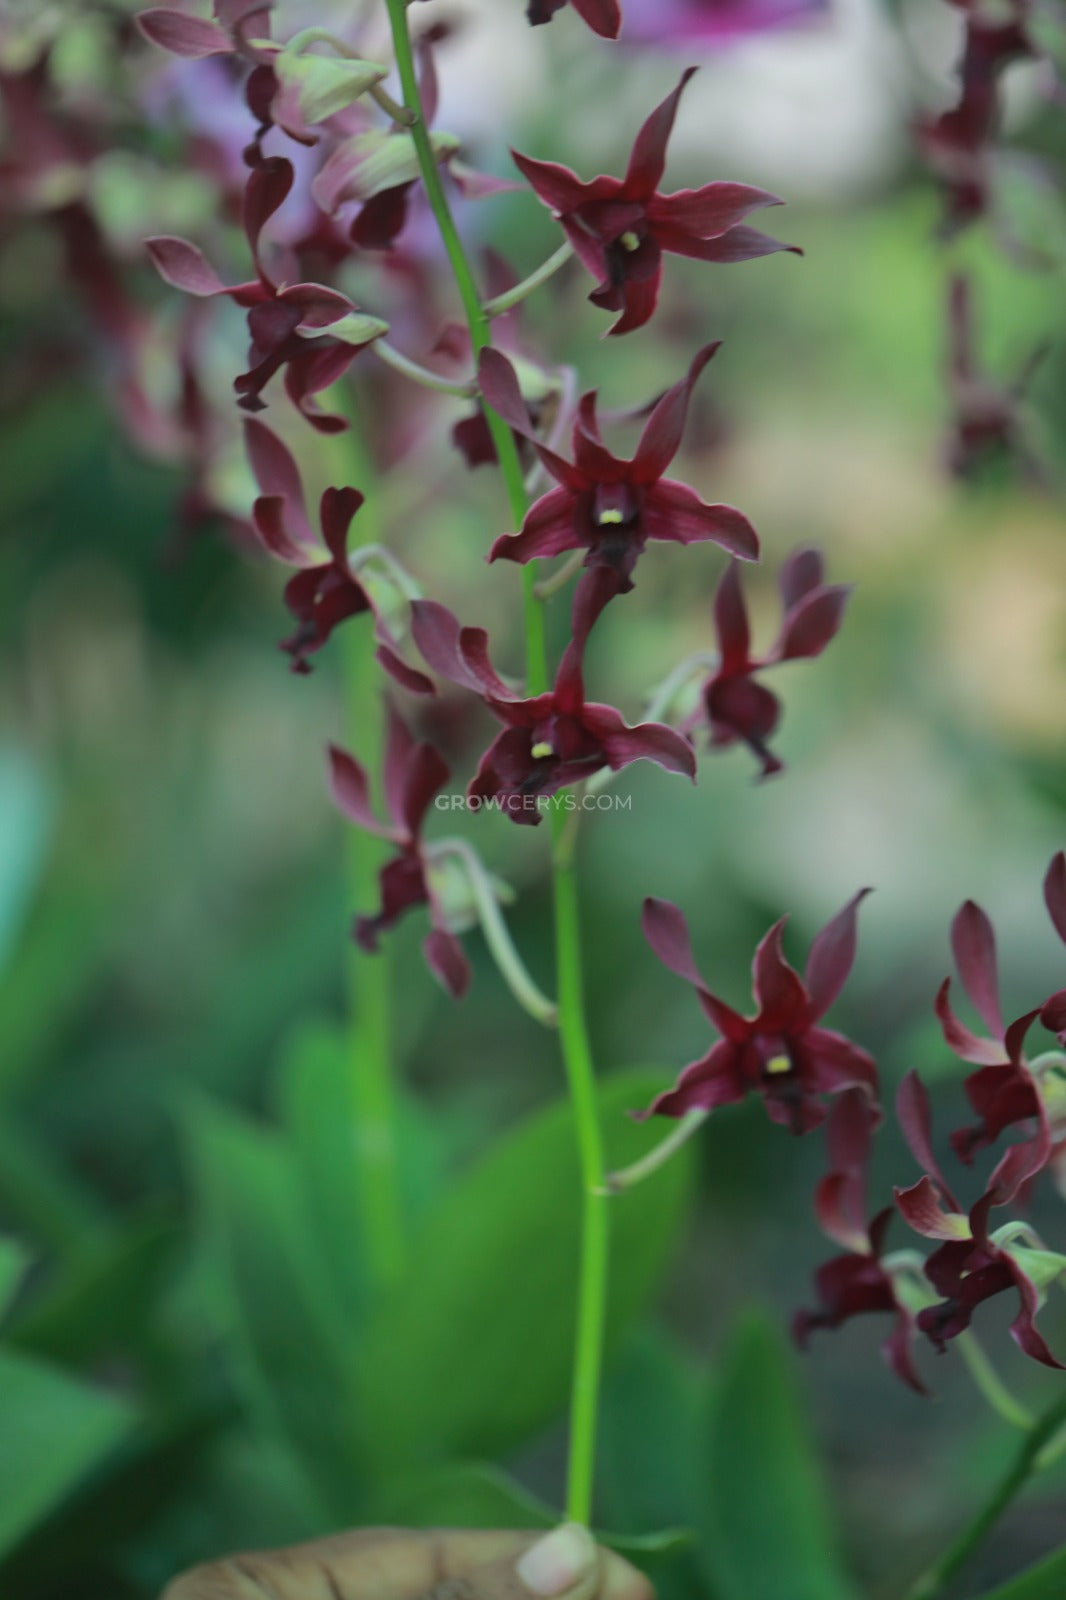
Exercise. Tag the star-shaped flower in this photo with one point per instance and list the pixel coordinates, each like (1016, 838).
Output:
(620, 228)
(780, 1053)
(609, 506)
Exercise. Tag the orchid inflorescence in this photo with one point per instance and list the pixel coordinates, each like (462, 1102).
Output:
(367, 169)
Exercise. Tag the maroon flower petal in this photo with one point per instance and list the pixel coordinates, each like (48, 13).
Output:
(603, 16)
(275, 469)
(920, 1206)
(648, 158)
(966, 1045)
(1053, 1012)
(708, 212)
(731, 621)
(266, 190)
(811, 624)
(973, 944)
(445, 959)
(184, 266)
(1002, 1095)
(1055, 893)
(408, 678)
(558, 187)
(648, 741)
(661, 438)
(737, 244)
(350, 790)
(665, 927)
(271, 522)
(831, 957)
(1023, 1328)
(426, 772)
(840, 1200)
(915, 1120)
(835, 1063)
(673, 511)
(382, 218)
(336, 510)
(182, 35)
(547, 530)
(640, 296)
(779, 993)
(801, 572)
(715, 1080)
(456, 653)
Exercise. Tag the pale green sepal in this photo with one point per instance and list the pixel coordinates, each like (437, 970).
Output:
(356, 328)
(1041, 1267)
(325, 85)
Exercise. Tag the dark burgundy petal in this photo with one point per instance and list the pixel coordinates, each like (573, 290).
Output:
(640, 296)
(801, 572)
(779, 993)
(705, 213)
(427, 771)
(603, 16)
(1023, 1328)
(835, 1063)
(915, 1120)
(318, 306)
(898, 1351)
(840, 1200)
(649, 741)
(921, 1209)
(499, 386)
(547, 530)
(399, 748)
(666, 930)
(731, 621)
(445, 959)
(555, 185)
(966, 1045)
(382, 218)
(973, 943)
(591, 251)
(648, 158)
(811, 624)
(839, 1210)
(673, 511)
(472, 439)
(456, 653)
(350, 789)
(1002, 1096)
(737, 244)
(408, 678)
(271, 522)
(275, 469)
(184, 266)
(831, 957)
(1053, 1012)
(661, 438)
(403, 885)
(182, 35)
(591, 456)
(1055, 893)
(337, 508)
(716, 1080)
(739, 708)
(266, 190)
(730, 1024)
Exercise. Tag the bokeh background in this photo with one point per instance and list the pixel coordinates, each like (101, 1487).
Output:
(174, 903)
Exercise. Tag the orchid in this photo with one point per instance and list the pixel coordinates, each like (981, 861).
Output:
(620, 228)
(780, 1054)
(608, 506)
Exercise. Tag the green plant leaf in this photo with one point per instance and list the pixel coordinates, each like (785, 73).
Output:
(765, 1528)
(1045, 1581)
(14, 1259)
(472, 1352)
(285, 1328)
(56, 1430)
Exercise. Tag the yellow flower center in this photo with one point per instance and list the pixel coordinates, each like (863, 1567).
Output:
(541, 749)
(778, 1064)
(629, 240)
(611, 517)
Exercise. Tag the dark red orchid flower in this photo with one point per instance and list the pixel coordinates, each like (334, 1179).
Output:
(612, 507)
(780, 1053)
(283, 321)
(551, 741)
(957, 144)
(733, 704)
(413, 774)
(603, 16)
(987, 424)
(970, 1266)
(620, 228)
(323, 593)
(1004, 1091)
(855, 1283)
(235, 23)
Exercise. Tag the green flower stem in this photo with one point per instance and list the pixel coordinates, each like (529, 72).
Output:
(989, 1382)
(1026, 1462)
(577, 1056)
(546, 270)
(429, 380)
(595, 1220)
(373, 1096)
(658, 1155)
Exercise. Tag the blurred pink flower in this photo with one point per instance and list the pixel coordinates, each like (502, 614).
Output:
(712, 22)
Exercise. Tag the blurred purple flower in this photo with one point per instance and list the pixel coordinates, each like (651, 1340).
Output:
(713, 22)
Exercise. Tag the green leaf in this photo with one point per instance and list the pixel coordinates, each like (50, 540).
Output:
(1045, 1581)
(765, 1526)
(289, 1339)
(657, 1395)
(472, 1352)
(14, 1259)
(56, 1430)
